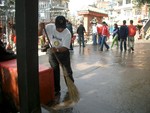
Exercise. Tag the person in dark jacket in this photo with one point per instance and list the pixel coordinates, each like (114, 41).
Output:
(123, 32)
(69, 27)
(80, 32)
(5, 54)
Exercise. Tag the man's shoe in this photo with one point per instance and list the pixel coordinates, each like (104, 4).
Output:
(132, 49)
(107, 48)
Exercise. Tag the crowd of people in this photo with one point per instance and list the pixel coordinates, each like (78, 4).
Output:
(120, 35)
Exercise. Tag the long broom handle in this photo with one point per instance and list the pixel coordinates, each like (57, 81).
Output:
(47, 37)
(52, 46)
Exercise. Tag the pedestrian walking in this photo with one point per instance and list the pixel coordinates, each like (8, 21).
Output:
(69, 27)
(115, 35)
(105, 35)
(80, 32)
(60, 38)
(94, 34)
(99, 31)
(131, 34)
(123, 32)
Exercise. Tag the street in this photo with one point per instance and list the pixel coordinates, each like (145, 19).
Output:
(109, 81)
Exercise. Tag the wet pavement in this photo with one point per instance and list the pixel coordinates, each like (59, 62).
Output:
(109, 81)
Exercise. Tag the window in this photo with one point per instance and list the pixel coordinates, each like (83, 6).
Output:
(128, 1)
(120, 3)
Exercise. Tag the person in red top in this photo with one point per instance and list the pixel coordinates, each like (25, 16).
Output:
(105, 34)
(99, 31)
(131, 34)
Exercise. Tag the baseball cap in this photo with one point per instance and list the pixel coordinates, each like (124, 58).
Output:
(60, 22)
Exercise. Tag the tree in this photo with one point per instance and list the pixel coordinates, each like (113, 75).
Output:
(141, 2)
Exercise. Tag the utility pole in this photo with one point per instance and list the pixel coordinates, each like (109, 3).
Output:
(27, 55)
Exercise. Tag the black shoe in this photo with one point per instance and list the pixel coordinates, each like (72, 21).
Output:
(132, 49)
(107, 48)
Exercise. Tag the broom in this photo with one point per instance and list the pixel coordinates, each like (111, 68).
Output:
(72, 89)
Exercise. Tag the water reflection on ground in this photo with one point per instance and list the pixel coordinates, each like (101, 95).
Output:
(110, 81)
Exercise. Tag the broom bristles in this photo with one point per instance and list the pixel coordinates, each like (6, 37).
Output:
(72, 89)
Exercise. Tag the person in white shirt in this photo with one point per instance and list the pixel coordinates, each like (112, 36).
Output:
(94, 34)
(60, 38)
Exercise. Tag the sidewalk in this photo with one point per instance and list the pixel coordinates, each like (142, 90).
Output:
(109, 81)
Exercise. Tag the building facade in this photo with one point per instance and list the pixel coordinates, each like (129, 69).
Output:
(49, 9)
(119, 10)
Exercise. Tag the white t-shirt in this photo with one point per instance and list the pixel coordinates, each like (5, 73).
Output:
(94, 29)
(58, 39)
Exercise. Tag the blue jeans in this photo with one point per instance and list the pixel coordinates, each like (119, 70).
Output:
(123, 41)
(94, 37)
(103, 43)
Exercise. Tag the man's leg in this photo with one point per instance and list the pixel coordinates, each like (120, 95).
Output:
(80, 40)
(106, 45)
(55, 65)
(94, 39)
(102, 43)
(121, 41)
(132, 44)
(125, 45)
(99, 39)
(83, 41)
(129, 43)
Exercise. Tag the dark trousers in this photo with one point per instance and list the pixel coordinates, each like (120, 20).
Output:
(64, 58)
(123, 42)
(81, 40)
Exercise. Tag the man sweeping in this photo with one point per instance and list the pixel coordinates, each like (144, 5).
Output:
(60, 38)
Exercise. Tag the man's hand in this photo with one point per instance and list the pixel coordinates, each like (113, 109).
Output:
(53, 49)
